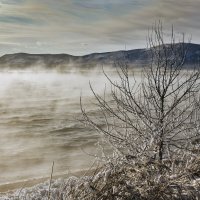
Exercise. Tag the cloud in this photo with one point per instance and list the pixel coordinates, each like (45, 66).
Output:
(18, 20)
(12, 1)
(104, 25)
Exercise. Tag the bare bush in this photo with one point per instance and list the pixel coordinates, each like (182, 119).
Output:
(159, 117)
(154, 124)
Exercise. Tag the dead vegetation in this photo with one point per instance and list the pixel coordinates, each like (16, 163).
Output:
(121, 179)
(152, 126)
(141, 181)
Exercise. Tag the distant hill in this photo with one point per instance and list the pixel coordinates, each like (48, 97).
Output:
(136, 57)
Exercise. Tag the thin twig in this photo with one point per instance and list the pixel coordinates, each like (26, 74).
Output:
(50, 182)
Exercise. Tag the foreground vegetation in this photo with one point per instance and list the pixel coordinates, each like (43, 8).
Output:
(153, 127)
(122, 179)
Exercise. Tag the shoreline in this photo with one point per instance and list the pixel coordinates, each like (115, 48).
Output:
(13, 186)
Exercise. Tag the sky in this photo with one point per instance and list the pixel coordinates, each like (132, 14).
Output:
(80, 27)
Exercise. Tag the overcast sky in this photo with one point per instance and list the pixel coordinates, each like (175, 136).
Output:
(84, 26)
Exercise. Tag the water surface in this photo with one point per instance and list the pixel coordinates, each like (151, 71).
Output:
(38, 123)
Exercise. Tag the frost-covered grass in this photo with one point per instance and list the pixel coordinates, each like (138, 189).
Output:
(121, 179)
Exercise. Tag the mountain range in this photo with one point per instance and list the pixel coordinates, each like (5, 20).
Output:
(136, 57)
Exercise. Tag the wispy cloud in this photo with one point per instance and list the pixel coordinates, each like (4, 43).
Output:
(12, 1)
(64, 26)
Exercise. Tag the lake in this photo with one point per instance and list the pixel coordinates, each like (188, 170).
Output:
(38, 123)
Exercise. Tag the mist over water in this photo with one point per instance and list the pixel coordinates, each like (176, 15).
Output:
(38, 123)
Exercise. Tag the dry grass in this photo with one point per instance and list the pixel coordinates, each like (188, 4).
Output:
(141, 181)
(123, 179)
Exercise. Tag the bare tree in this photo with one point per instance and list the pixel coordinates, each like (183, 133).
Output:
(158, 118)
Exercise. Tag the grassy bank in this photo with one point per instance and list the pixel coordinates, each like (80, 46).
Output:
(118, 180)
